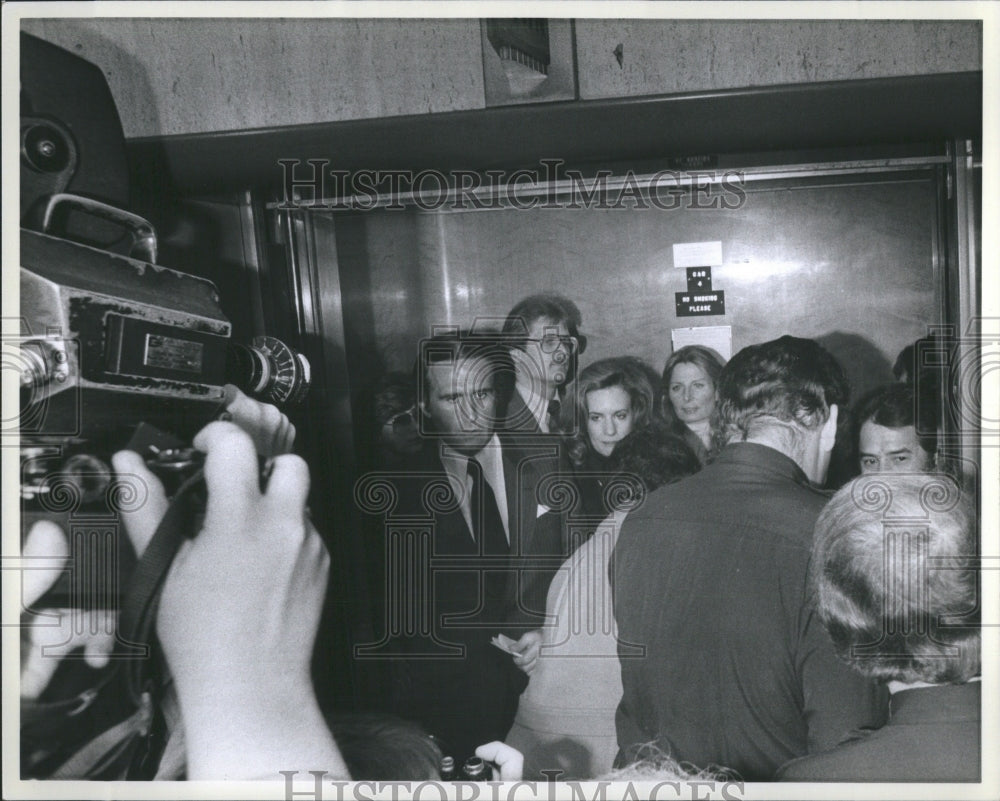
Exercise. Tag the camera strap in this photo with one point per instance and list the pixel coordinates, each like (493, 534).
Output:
(137, 623)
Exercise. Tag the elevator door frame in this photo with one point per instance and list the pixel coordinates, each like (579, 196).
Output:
(320, 312)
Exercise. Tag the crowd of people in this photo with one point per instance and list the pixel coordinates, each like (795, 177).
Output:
(600, 560)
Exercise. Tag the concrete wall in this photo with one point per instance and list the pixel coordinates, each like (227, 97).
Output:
(670, 56)
(177, 76)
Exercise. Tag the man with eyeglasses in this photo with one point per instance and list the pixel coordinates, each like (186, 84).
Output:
(543, 334)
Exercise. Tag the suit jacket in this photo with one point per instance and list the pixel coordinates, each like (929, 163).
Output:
(539, 502)
(519, 416)
(447, 674)
(541, 469)
(932, 735)
(711, 577)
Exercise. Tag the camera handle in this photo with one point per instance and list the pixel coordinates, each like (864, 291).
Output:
(141, 230)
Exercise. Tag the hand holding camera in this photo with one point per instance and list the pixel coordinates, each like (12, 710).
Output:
(241, 604)
(272, 432)
(239, 612)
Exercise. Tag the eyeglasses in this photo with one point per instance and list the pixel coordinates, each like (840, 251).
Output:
(401, 421)
(550, 343)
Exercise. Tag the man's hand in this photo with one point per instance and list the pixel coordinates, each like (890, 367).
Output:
(528, 648)
(239, 613)
(509, 760)
(272, 433)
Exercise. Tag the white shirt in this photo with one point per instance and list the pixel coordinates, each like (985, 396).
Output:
(900, 686)
(490, 460)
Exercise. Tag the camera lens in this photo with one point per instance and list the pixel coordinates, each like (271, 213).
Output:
(89, 475)
(268, 370)
(45, 148)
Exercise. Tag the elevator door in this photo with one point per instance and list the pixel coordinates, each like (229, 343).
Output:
(852, 261)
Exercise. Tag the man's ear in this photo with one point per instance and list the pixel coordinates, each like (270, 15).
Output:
(828, 435)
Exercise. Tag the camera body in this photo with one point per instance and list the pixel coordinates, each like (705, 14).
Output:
(113, 342)
(107, 343)
(116, 352)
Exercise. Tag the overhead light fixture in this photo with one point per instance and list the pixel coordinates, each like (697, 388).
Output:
(521, 41)
(527, 59)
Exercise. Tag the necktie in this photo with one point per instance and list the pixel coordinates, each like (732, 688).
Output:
(487, 525)
(491, 538)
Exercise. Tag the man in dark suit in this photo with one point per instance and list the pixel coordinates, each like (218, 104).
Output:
(475, 502)
(710, 578)
(542, 333)
(894, 564)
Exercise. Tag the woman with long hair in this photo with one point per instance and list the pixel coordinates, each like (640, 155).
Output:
(611, 398)
(690, 377)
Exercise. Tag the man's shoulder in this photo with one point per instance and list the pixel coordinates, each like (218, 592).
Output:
(893, 753)
(847, 759)
(426, 461)
(728, 495)
(420, 469)
(534, 456)
(682, 492)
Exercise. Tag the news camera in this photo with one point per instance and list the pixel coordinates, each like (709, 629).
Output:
(110, 342)
(114, 350)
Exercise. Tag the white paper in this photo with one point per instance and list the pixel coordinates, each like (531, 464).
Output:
(697, 254)
(717, 337)
(505, 643)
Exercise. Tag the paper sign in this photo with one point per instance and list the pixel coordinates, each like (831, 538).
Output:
(697, 254)
(717, 337)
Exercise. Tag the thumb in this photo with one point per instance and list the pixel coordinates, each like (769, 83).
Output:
(148, 501)
(509, 760)
(98, 647)
(231, 394)
(36, 671)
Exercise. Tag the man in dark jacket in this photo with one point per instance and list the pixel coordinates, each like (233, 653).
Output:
(542, 336)
(894, 566)
(458, 519)
(710, 576)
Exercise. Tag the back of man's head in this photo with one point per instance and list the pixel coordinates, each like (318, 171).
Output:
(786, 384)
(893, 564)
